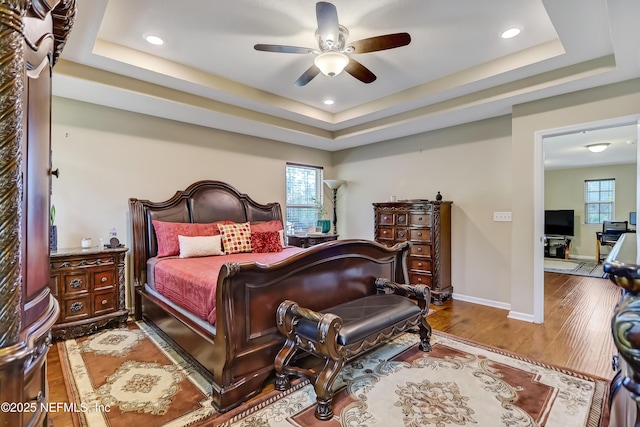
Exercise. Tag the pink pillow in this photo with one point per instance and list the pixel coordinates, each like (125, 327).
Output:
(167, 234)
(236, 238)
(275, 225)
(265, 241)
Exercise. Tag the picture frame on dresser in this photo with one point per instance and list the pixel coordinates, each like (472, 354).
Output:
(426, 225)
(89, 285)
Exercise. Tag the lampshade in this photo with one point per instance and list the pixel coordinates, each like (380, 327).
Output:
(597, 148)
(331, 63)
(334, 184)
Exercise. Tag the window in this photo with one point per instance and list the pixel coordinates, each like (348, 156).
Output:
(304, 196)
(598, 200)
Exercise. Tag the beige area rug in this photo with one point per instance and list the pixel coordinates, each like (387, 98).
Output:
(575, 267)
(145, 382)
(132, 377)
(458, 384)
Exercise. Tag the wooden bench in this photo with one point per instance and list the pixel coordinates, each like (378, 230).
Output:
(341, 333)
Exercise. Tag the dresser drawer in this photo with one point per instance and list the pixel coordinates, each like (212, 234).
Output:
(402, 234)
(419, 264)
(420, 234)
(76, 309)
(75, 283)
(421, 250)
(387, 219)
(421, 219)
(104, 303)
(103, 279)
(386, 233)
(420, 279)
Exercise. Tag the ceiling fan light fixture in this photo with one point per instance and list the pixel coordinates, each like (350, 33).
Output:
(331, 63)
(597, 148)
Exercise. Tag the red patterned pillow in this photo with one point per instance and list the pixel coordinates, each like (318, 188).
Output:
(167, 234)
(266, 241)
(236, 238)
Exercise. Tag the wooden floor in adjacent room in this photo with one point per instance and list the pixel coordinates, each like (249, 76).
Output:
(576, 332)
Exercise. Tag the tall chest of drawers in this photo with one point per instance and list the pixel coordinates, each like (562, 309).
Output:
(426, 225)
(89, 285)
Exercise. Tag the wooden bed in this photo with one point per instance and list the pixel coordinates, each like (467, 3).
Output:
(240, 349)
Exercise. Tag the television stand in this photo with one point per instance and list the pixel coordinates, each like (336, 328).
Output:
(557, 246)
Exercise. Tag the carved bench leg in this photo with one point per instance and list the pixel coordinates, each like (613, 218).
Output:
(282, 360)
(324, 388)
(425, 335)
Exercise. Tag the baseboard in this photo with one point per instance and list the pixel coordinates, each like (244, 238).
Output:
(482, 301)
(525, 317)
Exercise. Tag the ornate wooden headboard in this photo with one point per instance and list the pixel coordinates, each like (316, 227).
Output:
(202, 202)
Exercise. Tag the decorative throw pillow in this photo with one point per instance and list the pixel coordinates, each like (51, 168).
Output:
(197, 246)
(266, 241)
(167, 234)
(274, 225)
(236, 238)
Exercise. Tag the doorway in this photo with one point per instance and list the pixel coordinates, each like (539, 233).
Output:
(572, 143)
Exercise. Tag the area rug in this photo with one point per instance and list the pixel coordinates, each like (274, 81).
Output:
(575, 267)
(459, 383)
(133, 377)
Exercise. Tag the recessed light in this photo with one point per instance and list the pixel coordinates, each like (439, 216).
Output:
(510, 32)
(328, 101)
(154, 40)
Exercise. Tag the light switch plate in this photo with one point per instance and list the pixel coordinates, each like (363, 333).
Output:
(502, 216)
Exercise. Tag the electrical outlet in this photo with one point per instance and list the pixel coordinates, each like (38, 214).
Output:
(502, 216)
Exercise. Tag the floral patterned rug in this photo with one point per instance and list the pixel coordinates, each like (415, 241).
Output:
(132, 377)
(129, 377)
(458, 384)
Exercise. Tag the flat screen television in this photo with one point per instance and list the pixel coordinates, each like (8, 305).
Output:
(558, 222)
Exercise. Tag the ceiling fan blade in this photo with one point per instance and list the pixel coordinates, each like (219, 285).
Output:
(308, 75)
(282, 49)
(327, 16)
(388, 41)
(359, 71)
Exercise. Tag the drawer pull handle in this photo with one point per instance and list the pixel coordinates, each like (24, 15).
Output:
(401, 234)
(419, 264)
(419, 279)
(419, 249)
(104, 302)
(420, 233)
(104, 279)
(76, 283)
(76, 307)
(384, 232)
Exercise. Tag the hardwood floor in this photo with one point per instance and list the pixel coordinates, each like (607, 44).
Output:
(576, 333)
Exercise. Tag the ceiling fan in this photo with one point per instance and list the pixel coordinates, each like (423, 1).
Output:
(332, 57)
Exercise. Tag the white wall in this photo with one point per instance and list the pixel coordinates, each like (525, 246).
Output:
(470, 165)
(106, 156)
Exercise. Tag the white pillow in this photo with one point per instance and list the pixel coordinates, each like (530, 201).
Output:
(195, 246)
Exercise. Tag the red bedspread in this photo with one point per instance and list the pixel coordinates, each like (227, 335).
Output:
(191, 282)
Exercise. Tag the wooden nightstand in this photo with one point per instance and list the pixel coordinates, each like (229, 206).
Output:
(306, 241)
(90, 288)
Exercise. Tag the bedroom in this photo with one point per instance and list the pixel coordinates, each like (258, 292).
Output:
(106, 155)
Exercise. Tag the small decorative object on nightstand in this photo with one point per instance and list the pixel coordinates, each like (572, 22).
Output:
(308, 240)
(90, 288)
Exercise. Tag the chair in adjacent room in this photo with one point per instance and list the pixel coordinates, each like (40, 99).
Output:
(611, 232)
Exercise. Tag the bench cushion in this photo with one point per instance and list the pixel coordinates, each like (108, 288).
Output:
(364, 317)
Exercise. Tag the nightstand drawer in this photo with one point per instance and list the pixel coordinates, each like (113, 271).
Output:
(76, 309)
(386, 219)
(104, 303)
(386, 233)
(103, 280)
(75, 283)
